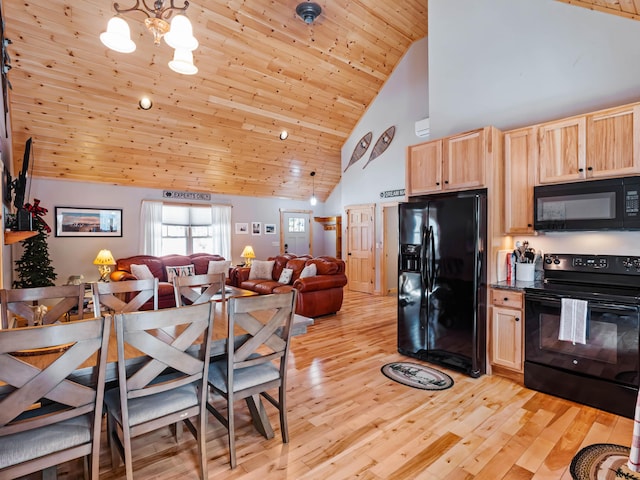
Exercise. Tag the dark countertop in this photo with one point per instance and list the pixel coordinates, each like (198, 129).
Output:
(518, 286)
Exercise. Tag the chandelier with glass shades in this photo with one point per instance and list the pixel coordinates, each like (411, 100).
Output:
(178, 34)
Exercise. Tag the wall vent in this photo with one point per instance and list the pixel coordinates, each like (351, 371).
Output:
(423, 128)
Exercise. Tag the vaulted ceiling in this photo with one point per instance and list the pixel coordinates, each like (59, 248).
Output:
(261, 70)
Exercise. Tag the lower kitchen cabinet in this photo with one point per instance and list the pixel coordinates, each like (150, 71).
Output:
(507, 331)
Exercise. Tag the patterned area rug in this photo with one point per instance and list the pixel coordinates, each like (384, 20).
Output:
(417, 376)
(602, 461)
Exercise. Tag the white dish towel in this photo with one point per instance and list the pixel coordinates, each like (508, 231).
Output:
(573, 321)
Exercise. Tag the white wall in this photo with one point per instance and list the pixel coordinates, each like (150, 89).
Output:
(73, 256)
(512, 63)
(401, 102)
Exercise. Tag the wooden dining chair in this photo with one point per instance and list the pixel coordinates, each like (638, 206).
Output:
(49, 413)
(169, 383)
(24, 302)
(194, 289)
(260, 327)
(126, 296)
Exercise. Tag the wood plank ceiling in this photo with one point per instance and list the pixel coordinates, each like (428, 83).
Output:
(261, 70)
(623, 8)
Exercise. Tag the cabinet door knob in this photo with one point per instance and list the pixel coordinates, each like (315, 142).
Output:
(517, 319)
(581, 170)
(506, 299)
(590, 168)
(438, 183)
(446, 182)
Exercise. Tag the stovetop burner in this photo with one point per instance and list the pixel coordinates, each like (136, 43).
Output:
(604, 277)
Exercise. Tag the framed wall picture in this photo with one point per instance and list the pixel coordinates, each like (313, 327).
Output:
(242, 228)
(256, 228)
(88, 222)
(269, 228)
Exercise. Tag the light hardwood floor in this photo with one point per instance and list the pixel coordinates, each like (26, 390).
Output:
(347, 420)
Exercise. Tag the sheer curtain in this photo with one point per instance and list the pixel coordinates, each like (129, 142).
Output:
(221, 216)
(151, 222)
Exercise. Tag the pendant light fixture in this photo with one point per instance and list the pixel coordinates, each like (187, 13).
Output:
(178, 35)
(313, 200)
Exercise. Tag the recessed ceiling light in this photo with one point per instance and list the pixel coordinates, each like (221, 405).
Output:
(145, 103)
(283, 135)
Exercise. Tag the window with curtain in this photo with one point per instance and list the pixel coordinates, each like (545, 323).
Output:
(187, 229)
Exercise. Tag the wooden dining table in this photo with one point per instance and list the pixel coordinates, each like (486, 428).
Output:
(134, 357)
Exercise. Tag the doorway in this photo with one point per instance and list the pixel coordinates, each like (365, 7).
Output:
(389, 260)
(295, 232)
(360, 257)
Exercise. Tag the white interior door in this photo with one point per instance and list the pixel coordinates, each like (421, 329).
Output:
(296, 232)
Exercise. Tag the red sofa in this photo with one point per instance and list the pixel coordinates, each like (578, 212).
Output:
(157, 266)
(319, 295)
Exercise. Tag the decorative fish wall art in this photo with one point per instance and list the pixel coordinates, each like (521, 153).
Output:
(381, 144)
(360, 149)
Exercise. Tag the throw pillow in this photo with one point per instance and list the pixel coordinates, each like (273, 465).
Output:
(285, 276)
(261, 269)
(309, 271)
(180, 271)
(141, 272)
(218, 266)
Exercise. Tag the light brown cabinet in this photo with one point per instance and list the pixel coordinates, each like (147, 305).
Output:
(424, 168)
(507, 332)
(562, 150)
(598, 145)
(520, 156)
(613, 142)
(457, 162)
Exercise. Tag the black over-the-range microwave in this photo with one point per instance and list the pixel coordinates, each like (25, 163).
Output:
(610, 204)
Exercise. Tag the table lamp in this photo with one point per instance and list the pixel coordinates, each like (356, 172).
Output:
(248, 254)
(104, 260)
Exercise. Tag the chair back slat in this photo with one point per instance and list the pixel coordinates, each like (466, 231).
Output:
(195, 289)
(175, 341)
(60, 300)
(126, 296)
(266, 319)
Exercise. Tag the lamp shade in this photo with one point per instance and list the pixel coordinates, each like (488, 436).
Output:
(104, 257)
(118, 36)
(183, 62)
(180, 35)
(248, 252)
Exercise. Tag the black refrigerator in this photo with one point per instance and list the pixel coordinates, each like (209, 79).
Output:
(442, 280)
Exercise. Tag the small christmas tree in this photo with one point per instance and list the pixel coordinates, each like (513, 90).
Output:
(34, 266)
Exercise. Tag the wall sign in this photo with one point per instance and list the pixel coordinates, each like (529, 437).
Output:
(186, 195)
(392, 193)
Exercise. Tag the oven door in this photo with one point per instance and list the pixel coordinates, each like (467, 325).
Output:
(611, 350)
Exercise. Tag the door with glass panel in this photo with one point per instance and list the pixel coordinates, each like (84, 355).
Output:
(295, 231)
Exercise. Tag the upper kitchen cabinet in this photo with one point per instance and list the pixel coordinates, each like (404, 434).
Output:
(612, 142)
(597, 145)
(520, 158)
(424, 168)
(562, 150)
(458, 162)
(463, 163)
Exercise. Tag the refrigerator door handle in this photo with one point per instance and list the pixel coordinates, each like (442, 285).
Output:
(432, 256)
(475, 349)
(424, 265)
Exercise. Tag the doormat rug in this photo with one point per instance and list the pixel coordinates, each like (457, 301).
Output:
(417, 376)
(602, 461)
